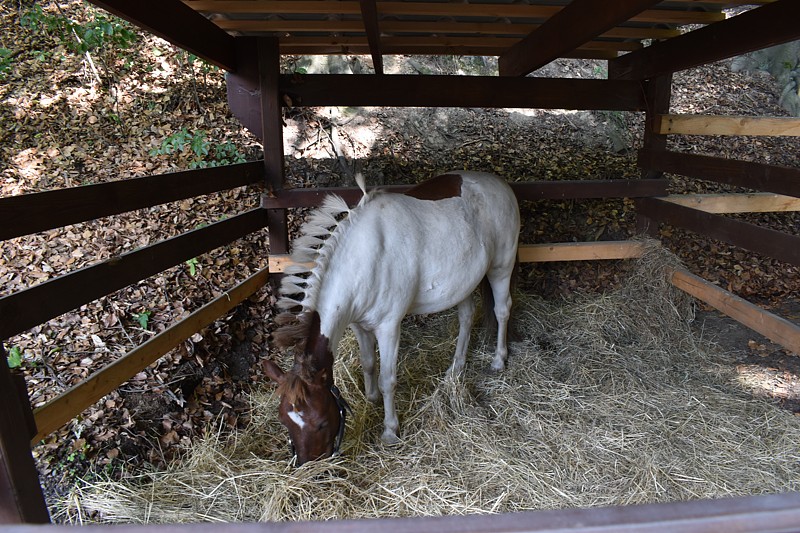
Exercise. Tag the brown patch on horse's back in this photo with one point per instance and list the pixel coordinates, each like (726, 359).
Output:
(437, 188)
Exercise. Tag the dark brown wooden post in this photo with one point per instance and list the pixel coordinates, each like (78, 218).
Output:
(21, 498)
(272, 138)
(658, 92)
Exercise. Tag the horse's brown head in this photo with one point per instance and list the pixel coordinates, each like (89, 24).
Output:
(311, 409)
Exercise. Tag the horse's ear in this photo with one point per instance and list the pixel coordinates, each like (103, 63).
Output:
(273, 371)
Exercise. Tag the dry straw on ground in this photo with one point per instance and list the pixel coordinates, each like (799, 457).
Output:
(607, 400)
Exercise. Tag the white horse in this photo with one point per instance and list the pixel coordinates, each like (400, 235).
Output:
(393, 255)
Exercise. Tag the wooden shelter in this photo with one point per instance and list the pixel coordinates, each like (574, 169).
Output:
(643, 41)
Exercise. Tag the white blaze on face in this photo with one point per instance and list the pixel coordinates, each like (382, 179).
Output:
(297, 418)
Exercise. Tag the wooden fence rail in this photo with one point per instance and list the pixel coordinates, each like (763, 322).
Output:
(772, 243)
(30, 213)
(758, 176)
(721, 125)
(528, 190)
(28, 308)
(71, 403)
(762, 514)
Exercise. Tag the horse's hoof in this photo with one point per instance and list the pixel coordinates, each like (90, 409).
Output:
(498, 366)
(390, 438)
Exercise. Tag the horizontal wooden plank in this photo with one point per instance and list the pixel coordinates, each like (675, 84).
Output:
(720, 125)
(38, 304)
(773, 327)
(762, 514)
(579, 251)
(528, 190)
(765, 26)
(408, 44)
(736, 203)
(437, 9)
(536, 253)
(447, 27)
(336, 46)
(461, 91)
(769, 242)
(30, 213)
(758, 176)
(74, 401)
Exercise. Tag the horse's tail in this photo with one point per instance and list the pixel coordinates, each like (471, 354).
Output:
(487, 298)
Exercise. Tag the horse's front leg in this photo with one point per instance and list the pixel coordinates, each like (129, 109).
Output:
(466, 312)
(388, 343)
(366, 348)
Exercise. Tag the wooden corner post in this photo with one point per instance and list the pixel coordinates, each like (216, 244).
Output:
(21, 498)
(272, 138)
(658, 92)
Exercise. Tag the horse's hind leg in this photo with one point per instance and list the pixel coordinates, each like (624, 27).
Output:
(366, 348)
(500, 281)
(466, 311)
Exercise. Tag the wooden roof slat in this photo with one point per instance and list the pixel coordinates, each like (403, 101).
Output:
(447, 27)
(173, 21)
(417, 42)
(578, 22)
(441, 9)
(758, 28)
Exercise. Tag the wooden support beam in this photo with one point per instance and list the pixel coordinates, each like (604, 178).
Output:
(525, 190)
(579, 251)
(578, 22)
(769, 242)
(272, 138)
(447, 27)
(765, 26)
(719, 125)
(28, 308)
(179, 24)
(773, 327)
(30, 213)
(440, 9)
(21, 498)
(758, 176)
(369, 17)
(71, 403)
(461, 91)
(538, 253)
(750, 514)
(737, 203)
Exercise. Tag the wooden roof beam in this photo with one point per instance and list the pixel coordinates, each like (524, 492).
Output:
(179, 24)
(579, 22)
(758, 28)
(369, 15)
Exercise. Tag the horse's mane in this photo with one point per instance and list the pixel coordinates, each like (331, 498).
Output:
(311, 255)
(293, 389)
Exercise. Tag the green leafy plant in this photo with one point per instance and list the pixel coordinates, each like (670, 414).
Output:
(5, 60)
(101, 31)
(192, 264)
(201, 153)
(143, 318)
(14, 357)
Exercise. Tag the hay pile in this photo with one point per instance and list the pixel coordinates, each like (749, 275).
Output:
(607, 400)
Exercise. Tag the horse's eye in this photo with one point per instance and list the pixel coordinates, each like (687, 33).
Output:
(322, 426)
